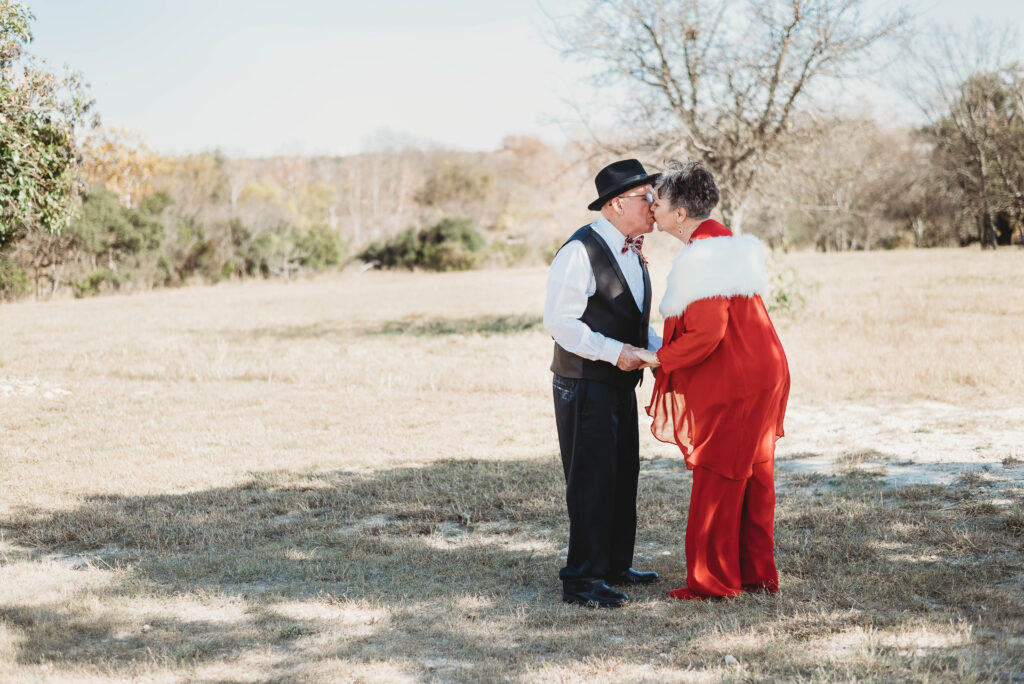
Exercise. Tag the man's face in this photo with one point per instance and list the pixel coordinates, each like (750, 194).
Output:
(634, 207)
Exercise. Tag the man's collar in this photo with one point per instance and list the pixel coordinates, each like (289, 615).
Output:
(612, 235)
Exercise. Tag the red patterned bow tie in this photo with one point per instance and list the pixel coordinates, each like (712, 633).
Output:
(634, 244)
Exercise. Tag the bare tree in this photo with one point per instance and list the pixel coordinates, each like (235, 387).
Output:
(720, 80)
(843, 183)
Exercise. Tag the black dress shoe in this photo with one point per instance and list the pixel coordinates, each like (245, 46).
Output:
(631, 576)
(593, 593)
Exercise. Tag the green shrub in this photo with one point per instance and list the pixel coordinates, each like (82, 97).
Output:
(195, 253)
(165, 275)
(94, 283)
(448, 245)
(321, 248)
(453, 231)
(14, 281)
(263, 250)
(398, 252)
(107, 229)
(251, 255)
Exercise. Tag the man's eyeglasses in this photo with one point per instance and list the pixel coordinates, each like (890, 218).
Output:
(647, 196)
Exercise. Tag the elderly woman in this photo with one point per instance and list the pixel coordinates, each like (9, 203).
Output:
(721, 391)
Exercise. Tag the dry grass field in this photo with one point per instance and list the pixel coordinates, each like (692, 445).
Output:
(356, 479)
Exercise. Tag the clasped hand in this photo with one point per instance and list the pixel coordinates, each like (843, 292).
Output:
(632, 358)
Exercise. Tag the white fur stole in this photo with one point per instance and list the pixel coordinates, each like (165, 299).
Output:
(726, 266)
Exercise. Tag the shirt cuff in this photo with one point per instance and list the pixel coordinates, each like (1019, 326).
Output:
(611, 350)
(654, 341)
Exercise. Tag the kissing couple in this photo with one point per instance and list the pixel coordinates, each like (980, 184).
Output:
(721, 383)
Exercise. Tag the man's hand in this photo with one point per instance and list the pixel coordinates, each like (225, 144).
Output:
(629, 360)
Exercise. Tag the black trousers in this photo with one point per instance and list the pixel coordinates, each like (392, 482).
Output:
(600, 443)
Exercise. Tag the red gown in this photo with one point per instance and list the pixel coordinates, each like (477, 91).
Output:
(721, 395)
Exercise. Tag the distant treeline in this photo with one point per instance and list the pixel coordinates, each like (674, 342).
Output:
(147, 221)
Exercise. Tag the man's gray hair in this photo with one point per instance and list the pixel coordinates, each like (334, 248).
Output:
(688, 185)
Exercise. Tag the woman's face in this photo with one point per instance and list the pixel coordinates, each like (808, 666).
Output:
(666, 218)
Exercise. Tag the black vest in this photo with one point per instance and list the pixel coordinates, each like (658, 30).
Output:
(611, 311)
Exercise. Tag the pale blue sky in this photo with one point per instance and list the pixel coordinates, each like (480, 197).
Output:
(262, 77)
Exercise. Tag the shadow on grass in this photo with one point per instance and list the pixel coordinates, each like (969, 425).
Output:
(415, 325)
(476, 325)
(453, 565)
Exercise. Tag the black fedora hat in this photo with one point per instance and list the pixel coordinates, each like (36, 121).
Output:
(617, 178)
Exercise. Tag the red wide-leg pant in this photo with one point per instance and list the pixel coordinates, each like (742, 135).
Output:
(730, 544)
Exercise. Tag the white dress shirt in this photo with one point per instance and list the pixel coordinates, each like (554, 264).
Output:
(571, 283)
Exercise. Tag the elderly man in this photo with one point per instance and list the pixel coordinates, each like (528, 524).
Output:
(597, 310)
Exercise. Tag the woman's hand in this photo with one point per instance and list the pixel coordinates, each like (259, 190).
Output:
(649, 358)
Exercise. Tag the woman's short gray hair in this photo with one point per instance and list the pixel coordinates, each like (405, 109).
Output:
(688, 185)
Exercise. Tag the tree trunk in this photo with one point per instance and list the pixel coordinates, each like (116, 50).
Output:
(400, 209)
(732, 212)
(986, 230)
(737, 220)
(355, 204)
(376, 189)
(917, 225)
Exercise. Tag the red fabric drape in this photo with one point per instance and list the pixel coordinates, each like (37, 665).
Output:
(723, 385)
